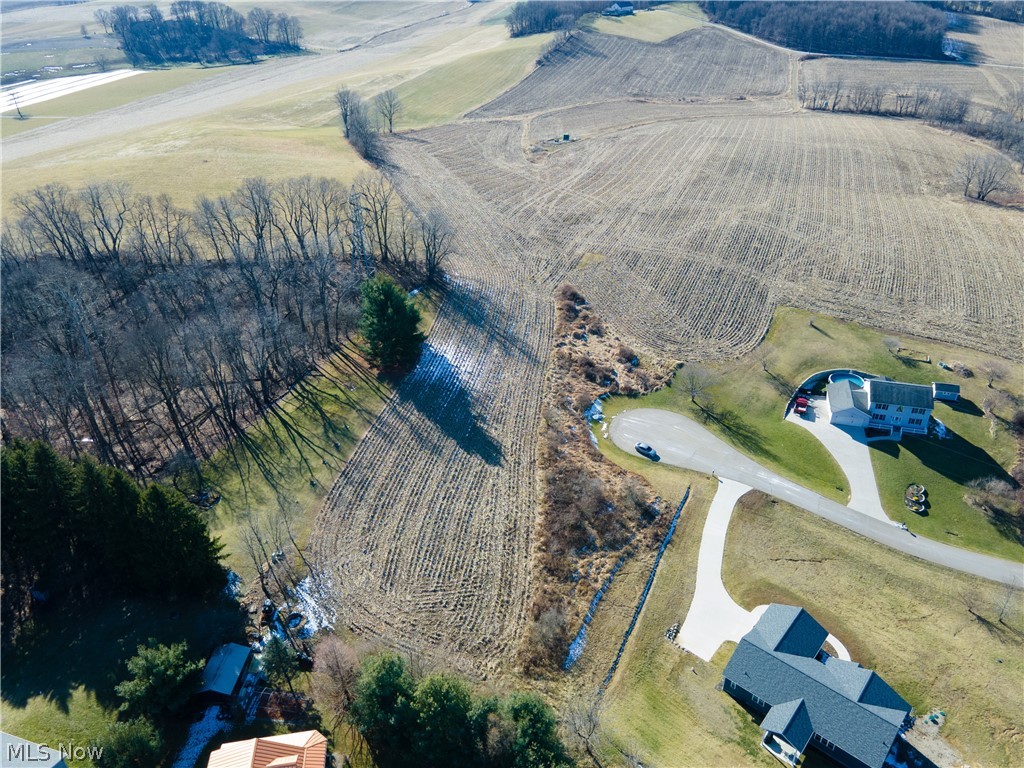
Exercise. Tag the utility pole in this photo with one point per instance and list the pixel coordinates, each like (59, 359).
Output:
(361, 259)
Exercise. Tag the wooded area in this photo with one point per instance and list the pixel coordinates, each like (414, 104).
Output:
(531, 17)
(83, 531)
(906, 30)
(200, 32)
(149, 335)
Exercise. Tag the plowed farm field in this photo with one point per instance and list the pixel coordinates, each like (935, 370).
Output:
(984, 85)
(702, 63)
(693, 198)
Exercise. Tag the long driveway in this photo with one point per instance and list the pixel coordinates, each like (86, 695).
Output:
(682, 442)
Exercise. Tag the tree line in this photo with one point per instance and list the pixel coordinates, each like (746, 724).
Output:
(905, 30)
(407, 720)
(1007, 11)
(1003, 126)
(148, 335)
(81, 531)
(199, 32)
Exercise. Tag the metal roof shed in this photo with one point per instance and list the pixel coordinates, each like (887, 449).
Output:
(225, 671)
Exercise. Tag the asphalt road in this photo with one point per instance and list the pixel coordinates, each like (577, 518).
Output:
(684, 443)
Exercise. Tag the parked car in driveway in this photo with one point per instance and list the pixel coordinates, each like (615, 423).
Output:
(645, 450)
(801, 405)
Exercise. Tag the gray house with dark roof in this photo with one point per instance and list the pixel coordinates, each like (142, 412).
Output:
(809, 698)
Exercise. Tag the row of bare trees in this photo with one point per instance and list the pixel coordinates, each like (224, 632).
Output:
(362, 123)
(944, 107)
(149, 334)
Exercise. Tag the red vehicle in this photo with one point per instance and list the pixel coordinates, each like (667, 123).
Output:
(801, 405)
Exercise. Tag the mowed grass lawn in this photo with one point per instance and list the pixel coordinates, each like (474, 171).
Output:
(663, 704)
(653, 26)
(907, 619)
(747, 404)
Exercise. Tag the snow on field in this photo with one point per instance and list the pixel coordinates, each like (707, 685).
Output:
(37, 91)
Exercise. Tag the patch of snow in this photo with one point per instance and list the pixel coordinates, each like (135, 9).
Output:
(234, 586)
(595, 412)
(315, 598)
(199, 735)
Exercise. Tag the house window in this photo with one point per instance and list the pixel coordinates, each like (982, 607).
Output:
(878, 416)
(917, 410)
(882, 406)
(759, 702)
(824, 742)
(916, 421)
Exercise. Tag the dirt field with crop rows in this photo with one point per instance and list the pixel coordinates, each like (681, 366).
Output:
(983, 85)
(702, 63)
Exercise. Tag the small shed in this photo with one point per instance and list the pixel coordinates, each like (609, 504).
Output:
(225, 672)
(943, 391)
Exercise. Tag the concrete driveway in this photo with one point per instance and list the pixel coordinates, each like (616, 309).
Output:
(850, 450)
(682, 442)
(714, 617)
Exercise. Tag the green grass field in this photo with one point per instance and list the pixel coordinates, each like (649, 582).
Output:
(906, 619)
(448, 91)
(749, 404)
(653, 26)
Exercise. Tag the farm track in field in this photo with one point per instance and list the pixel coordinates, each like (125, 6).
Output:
(686, 213)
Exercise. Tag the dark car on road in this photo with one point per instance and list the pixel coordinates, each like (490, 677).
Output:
(645, 450)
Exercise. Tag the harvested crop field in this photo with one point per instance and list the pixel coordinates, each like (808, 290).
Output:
(427, 530)
(702, 63)
(984, 85)
(717, 220)
(990, 41)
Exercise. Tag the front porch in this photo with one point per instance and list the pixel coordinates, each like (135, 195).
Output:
(781, 749)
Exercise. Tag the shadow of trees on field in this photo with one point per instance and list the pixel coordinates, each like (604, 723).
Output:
(741, 432)
(436, 389)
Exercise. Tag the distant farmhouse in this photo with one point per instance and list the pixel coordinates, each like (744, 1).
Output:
(618, 9)
(892, 406)
(809, 698)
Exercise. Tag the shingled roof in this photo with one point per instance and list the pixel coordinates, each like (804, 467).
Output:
(900, 393)
(848, 705)
(305, 749)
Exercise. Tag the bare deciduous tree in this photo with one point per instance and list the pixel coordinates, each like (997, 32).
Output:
(584, 724)
(335, 669)
(346, 98)
(436, 238)
(994, 173)
(697, 379)
(993, 371)
(389, 106)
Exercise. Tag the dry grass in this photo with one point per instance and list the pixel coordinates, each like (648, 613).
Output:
(910, 621)
(655, 25)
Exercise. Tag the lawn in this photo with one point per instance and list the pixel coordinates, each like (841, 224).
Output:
(653, 26)
(747, 404)
(663, 704)
(58, 681)
(450, 90)
(906, 619)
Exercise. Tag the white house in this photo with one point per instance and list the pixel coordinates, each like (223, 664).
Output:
(891, 406)
(618, 9)
(943, 391)
(899, 407)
